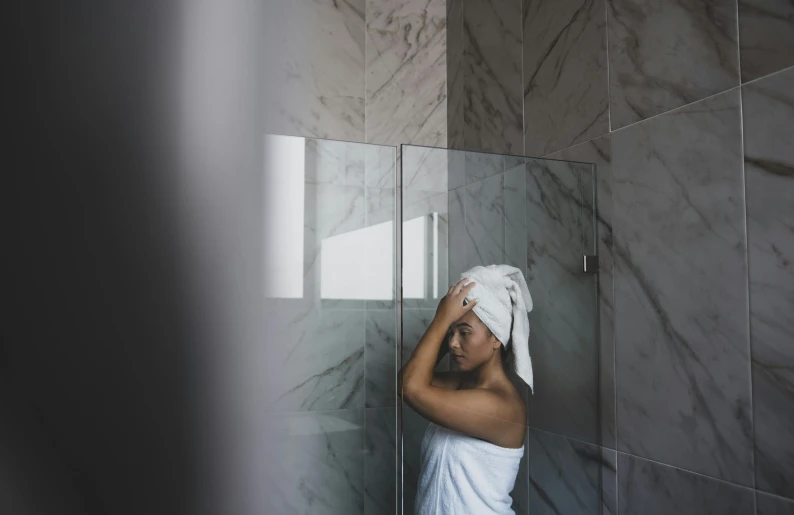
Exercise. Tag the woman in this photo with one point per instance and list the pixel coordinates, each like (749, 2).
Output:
(472, 448)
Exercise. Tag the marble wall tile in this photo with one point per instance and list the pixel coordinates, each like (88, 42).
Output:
(321, 361)
(480, 166)
(415, 323)
(681, 330)
(771, 505)
(766, 36)
(769, 169)
(563, 342)
(493, 115)
(380, 205)
(319, 74)
(666, 54)
(338, 163)
(648, 488)
(565, 74)
(609, 482)
(317, 465)
(424, 168)
(381, 166)
(564, 475)
(515, 199)
(380, 462)
(484, 224)
(455, 75)
(406, 72)
(599, 152)
(380, 356)
(458, 255)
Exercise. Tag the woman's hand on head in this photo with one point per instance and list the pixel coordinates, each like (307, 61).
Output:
(451, 306)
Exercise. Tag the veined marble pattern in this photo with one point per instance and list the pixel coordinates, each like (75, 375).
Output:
(455, 76)
(769, 169)
(766, 36)
(380, 205)
(565, 74)
(424, 168)
(666, 54)
(380, 355)
(562, 341)
(492, 76)
(648, 488)
(318, 464)
(406, 73)
(320, 75)
(480, 166)
(380, 471)
(771, 505)
(458, 255)
(337, 163)
(599, 152)
(381, 166)
(683, 385)
(484, 209)
(564, 475)
(321, 360)
(515, 200)
(415, 323)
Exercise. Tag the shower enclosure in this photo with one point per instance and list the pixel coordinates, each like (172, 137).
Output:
(355, 291)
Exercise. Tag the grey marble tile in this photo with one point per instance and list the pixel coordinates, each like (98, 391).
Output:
(565, 74)
(415, 323)
(663, 55)
(648, 488)
(319, 74)
(480, 166)
(492, 76)
(515, 199)
(771, 505)
(484, 228)
(609, 482)
(458, 256)
(564, 475)
(455, 73)
(380, 462)
(683, 382)
(769, 171)
(380, 355)
(406, 73)
(599, 152)
(337, 163)
(380, 205)
(381, 166)
(766, 36)
(317, 465)
(414, 427)
(562, 341)
(321, 359)
(424, 168)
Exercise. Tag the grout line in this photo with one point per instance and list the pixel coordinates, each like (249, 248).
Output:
(747, 290)
(523, 98)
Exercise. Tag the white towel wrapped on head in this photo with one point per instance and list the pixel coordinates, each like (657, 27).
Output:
(503, 301)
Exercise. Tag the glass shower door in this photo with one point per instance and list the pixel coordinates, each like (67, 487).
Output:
(463, 209)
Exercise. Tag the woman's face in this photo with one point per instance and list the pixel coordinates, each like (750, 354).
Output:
(470, 343)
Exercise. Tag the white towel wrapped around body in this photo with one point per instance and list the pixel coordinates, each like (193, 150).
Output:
(503, 301)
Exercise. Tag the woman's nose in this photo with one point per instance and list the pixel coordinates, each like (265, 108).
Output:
(454, 343)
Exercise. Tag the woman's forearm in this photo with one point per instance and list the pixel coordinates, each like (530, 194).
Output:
(418, 371)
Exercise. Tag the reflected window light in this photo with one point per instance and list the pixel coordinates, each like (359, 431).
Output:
(415, 257)
(283, 212)
(358, 264)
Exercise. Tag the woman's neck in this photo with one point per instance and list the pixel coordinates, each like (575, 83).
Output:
(484, 375)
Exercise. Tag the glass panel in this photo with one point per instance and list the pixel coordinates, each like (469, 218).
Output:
(538, 216)
(329, 274)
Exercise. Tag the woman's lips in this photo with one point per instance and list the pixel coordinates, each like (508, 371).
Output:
(457, 357)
